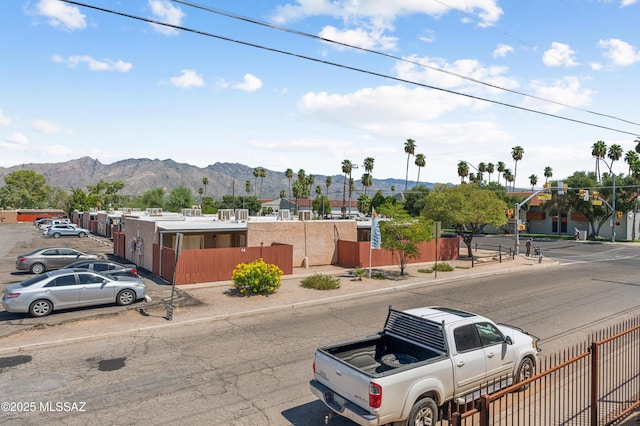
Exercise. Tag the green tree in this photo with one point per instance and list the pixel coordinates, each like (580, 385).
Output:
(501, 167)
(598, 151)
(263, 174)
(327, 183)
(289, 174)
(205, 182)
(548, 173)
(179, 198)
(153, 198)
(467, 208)
(533, 180)
(516, 153)
(421, 161)
(364, 204)
(402, 233)
(24, 189)
(347, 167)
(463, 170)
(105, 194)
(409, 149)
(415, 200)
(491, 168)
(321, 206)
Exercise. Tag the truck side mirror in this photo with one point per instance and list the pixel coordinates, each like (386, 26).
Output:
(508, 340)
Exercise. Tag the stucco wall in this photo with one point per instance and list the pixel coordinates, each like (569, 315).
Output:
(315, 240)
(143, 233)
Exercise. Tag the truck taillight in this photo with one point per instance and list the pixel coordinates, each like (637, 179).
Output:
(314, 366)
(375, 395)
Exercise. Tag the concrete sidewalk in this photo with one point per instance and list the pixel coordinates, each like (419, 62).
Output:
(215, 301)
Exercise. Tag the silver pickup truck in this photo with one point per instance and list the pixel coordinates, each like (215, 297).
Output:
(422, 359)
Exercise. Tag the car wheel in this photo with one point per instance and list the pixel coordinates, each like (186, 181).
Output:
(37, 268)
(126, 297)
(423, 413)
(41, 308)
(82, 235)
(525, 371)
(56, 235)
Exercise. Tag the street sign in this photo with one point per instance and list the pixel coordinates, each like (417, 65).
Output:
(543, 196)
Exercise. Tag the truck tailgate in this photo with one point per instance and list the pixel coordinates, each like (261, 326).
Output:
(348, 382)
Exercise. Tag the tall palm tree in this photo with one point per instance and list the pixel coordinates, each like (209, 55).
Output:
(508, 177)
(533, 180)
(516, 153)
(289, 174)
(256, 175)
(367, 181)
(283, 193)
(263, 174)
(631, 158)
(548, 173)
(409, 149)
(501, 168)
(368, 168)
(598, 151)
(318, 190)
(482, 169)
(205, 182)
(347, 167)
(463, 170)
(200, 191)
(421, 161)
(490, 169)
(327, 183)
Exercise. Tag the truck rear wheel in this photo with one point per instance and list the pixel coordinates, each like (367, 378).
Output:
(423, 413)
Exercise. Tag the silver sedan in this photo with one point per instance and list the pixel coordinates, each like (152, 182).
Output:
(70, 288)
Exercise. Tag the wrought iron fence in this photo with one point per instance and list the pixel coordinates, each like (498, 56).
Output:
(594, 384)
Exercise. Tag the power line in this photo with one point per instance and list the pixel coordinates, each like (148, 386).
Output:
(348, 67)
(397, 58)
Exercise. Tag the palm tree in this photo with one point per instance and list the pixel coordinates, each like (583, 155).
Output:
(283, 193)
(263, 174)
(205, 182)
(598, 151)
(289, 174)
(501, 168)
(367, 181)
(631, 158)
(533, 180)
(548, 172)
(368, 168)
(200, 191)
(516, 153)
(482, 169)
(463, 170)
(256, 175)
(409, 149)
(327, 183)
(247, 188)
(490, 169)
(347, 166)
(421, 161)
(393, 189)
(637, 142)
(508, 176)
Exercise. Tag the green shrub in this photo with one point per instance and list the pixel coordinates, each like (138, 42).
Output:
(379, 276)
(321, 282)
(441, 267)
(256, 278)
(360, 272)
(426, 271)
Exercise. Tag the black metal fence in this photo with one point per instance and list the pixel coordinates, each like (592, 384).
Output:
(487, 253)
(594, 384)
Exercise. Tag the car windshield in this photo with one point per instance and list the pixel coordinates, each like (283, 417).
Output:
(33, 280)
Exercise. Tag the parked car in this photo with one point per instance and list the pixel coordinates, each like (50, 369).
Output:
(44, 259)
(70, 288)
(66, 230)
(106, 267)
(46, 223)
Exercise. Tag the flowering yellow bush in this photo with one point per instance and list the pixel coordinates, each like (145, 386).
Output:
(256, 278)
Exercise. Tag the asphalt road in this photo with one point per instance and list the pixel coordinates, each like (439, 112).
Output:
(255, 370)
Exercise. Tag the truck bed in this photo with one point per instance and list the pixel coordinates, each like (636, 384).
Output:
(382, 354)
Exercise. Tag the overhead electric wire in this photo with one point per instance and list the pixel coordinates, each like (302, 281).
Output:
(270, 49)
(397, 58)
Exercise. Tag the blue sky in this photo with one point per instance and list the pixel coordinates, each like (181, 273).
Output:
(76, 82)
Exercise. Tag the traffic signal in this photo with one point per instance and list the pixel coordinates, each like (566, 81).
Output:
(618, 214)
(581, 194)
(595, 195)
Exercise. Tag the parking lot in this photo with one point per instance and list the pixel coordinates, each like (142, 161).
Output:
(21, 238)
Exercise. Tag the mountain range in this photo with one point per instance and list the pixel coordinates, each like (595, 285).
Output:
(142, 174)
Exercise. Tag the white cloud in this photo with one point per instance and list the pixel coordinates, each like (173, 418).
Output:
(567, 91)
(625, 3)
(250, 83)
(559, 55)
(94, 64)
(164, 11)
(596, 66)
(4, 120)
(502, 50)
(487, 12)
(470, 68)
(372, 39)
(619, 52)
(62, 15)
(187, 79)
(17, 139)
(47, 127)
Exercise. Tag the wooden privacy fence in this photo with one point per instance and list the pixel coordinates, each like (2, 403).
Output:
(590, 384)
